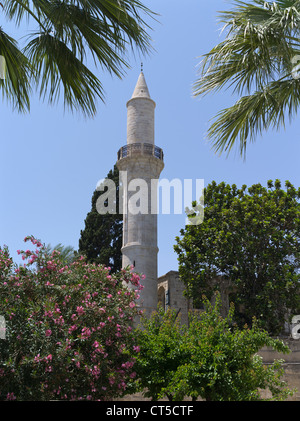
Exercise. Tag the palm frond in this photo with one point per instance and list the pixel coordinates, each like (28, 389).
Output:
(253, 114)
(17, 10)
(125, 17)
(85, 33)
(57, 67)
(67, 253)
(69, 33)
(261, 42)
(16, 84)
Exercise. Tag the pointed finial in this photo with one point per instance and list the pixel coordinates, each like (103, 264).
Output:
(142, 67)
(141, 90)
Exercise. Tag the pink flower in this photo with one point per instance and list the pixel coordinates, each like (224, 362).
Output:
(57, 309)
(48, 332)
(72, 328)
(37, 358)
(10, 397)
(59, 321)
(86, 333)
(49, 284)
(132, 304)
(80, 310)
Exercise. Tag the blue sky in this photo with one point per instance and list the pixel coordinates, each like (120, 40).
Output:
(51, 160)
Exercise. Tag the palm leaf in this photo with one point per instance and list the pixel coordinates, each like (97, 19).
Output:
(261, 42)
(57, 67)
(16, 84)
(85, 33)
(69, 33)
(67, 254)
(253, 114)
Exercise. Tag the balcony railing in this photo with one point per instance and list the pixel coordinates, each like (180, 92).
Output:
(140, 149)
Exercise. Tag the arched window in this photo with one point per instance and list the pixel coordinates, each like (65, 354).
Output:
(161, 295)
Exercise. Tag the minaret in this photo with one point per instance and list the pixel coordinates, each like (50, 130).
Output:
(140, 163)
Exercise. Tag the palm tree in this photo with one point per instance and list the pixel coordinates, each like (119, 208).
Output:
(68, 35)
(67, 254)
(258, 59)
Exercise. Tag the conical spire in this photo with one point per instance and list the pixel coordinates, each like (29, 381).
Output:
(141, 89)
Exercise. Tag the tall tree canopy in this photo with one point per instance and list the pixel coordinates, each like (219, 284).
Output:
(67, 36)
(259, 59)
(101, 239)
(249, 239)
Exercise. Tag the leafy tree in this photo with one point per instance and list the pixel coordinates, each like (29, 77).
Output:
(249, 238)
(211, 358)
(69, 328)
(67, 35)
(259, 58)
(101, 239)
(161, 351)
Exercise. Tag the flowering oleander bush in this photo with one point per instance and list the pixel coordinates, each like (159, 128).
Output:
(69, 333)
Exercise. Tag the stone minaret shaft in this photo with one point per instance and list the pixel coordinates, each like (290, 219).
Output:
(140, 163)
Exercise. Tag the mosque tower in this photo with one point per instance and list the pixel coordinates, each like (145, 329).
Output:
(140, 163)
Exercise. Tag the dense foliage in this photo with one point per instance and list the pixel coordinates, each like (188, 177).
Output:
(249, 239)
(69, 328)
(211, 358)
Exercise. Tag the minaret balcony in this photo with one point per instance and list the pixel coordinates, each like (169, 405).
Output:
(135, 149)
